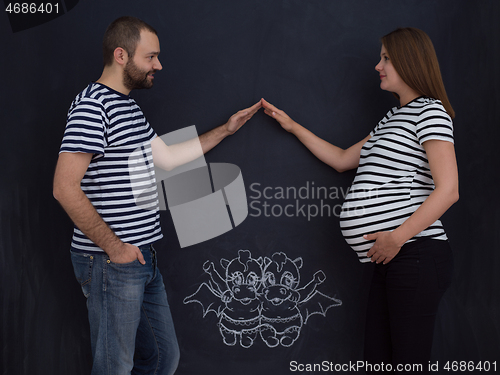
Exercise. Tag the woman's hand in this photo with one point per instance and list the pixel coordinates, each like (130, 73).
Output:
(285, 121)
(443, 165)
(385, 248)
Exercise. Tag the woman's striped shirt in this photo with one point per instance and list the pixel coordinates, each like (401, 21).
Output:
(120, 180)
(393, 176)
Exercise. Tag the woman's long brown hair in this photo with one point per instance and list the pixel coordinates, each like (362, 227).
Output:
(413, 56)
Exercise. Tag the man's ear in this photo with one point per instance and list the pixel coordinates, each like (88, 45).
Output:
(121, 56)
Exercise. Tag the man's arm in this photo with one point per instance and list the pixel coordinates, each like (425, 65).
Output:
(213, 137)
(70, 169)
(170, 157)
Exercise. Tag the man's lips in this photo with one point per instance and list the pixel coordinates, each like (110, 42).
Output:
(381, 76)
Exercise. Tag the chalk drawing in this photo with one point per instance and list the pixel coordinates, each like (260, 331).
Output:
(261, 298)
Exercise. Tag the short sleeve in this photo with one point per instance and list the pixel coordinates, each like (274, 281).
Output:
(150, 131)
(372, 133)
(434, 123)
(85, 128)
(382, 122)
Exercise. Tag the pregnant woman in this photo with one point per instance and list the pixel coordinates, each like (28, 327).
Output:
(406, 179)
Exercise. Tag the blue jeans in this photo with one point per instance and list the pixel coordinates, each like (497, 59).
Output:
(131, 328)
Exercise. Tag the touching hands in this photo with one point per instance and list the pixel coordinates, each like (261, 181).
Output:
(237, 120)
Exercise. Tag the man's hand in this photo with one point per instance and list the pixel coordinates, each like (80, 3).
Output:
(237, 120)
(213, 137)
(127, 253)
(70, 169)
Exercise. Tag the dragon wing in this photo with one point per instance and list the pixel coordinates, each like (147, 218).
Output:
(317, 303)
(205, 297)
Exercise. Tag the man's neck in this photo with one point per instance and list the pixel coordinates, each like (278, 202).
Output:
(113, 80)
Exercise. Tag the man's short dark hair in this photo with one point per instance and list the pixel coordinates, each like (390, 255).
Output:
(124, 32)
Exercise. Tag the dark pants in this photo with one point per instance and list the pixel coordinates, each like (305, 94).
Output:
(402, 306)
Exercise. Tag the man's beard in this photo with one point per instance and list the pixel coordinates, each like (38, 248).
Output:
(135, 78)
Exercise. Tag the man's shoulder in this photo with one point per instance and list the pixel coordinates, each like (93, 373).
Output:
(87, 96)
(98, 96)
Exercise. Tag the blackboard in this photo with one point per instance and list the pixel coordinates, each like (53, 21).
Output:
(314, 59)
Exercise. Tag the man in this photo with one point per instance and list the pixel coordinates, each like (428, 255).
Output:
(112, 253)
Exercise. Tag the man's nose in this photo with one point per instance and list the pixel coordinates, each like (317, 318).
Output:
(157, 65)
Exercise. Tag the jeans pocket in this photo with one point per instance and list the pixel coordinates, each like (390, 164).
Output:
(82, 266)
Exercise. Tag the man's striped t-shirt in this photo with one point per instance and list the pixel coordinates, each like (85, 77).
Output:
(393, 176)
(120, 180)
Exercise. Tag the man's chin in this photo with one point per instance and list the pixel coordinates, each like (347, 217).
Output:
(148, 83)
(143, 86)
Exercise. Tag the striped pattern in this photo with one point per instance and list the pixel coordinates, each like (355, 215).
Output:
(393, 177)
(120, 180)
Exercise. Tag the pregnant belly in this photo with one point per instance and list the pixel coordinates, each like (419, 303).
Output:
(371, 213)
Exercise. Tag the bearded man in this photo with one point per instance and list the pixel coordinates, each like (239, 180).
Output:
(112, 247)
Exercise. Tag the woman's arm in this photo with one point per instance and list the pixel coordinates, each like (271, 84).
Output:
(443, 165)
(339, 159)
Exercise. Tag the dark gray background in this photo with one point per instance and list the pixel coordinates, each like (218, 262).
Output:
(314, 59)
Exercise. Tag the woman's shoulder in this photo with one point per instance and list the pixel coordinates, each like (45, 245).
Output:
(429, 107)
(430, 103)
